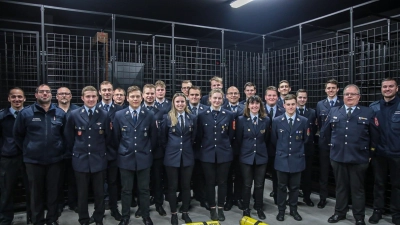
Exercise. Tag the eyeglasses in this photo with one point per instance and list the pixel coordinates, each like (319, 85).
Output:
(233, 93)
(185, 87)
(350, 94)
(63, 93)
(44, 91)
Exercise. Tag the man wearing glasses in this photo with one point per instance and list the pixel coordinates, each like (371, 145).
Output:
(38, 131)
(119, 97)
(351, 134)
(67, 177)
(186, 84)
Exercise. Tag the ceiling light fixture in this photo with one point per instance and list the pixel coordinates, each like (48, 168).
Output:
(238, 3)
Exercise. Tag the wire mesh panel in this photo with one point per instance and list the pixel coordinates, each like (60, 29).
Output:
(19, 63)
(75, 62)
(324, 60)
(198, 64)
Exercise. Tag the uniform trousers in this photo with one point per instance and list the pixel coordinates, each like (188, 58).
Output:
(111, 184)
(350, 179)
(274, 177)
(381, 166)
(289, 181)
(157, 172)
(306, 175)
(44, 186)
(68, 178)
(82, 181)
(256, 173)
(174, 173)
(127, 182)
(235, 181)
(11, 169)
(216, 173)
(324, 166)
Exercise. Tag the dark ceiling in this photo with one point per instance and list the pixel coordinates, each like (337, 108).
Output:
(259, 16)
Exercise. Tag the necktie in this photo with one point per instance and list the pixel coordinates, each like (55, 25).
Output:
(234, 107)
(134, 117)
(158, 104)
(181, 122)
(349, 112)
(255, 122)
(106, 107)
(215, 114)
(150, 107)
(290, 123)
(16, 114)
(271, 113)
(332, 103)
(90, 114)
(194, 111)
(301, 111)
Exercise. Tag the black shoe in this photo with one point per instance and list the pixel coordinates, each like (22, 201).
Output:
(221, 216)
(186, 218)
(174, 219)
(73, 208)
(246, 212)
(204, 204)
(106, 205)
(161, 210)
(239, 204)
(28, 220)
(60, 210)
(99, 223)
(147, 221)
(116, 214)
(228, 205)
(296, 215)
(91, 220)
(152, 200)
(133, 203)
(138, 213)
(271, 194)
(261, 214)
(213, 214)
(87, 223)
(275, 201)
(53, 223)
(360, 222)
(308, 202)
(281, 216)
(322, 203)
(124, 222)
(301, 194)
(376, 216)
(336, 218)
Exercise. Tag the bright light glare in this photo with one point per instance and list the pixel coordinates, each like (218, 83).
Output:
(239, 3)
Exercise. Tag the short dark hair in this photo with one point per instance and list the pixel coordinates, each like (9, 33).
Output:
(389, 79)
(289, 97)
(301, 90)
(249, 84)
(16, 88)
(88, 88)
(284, 81)
(271, 88)
(194, 88)
(332, 81)
(251, 99)
(37, 89)
(132, 89)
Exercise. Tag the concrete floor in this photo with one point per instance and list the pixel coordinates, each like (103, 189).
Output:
(311, 215)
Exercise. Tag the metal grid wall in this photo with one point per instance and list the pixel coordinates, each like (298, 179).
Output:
(19, 63)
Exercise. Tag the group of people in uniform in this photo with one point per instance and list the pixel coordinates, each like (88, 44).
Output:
(154, 148)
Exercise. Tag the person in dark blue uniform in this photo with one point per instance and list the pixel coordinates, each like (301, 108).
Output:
(249, 90)
(110, 185)
(309, 113)
(235, 180)
(215, 83)
(289, 134)
(283, 89)
(38, 131)
(272, 110)
(252, 134)
(185, 86)
(322, 110)
(11, 164)
(87, 133)
(387, 153)
(215, 135)
(135, 137)
(162, 103)
(198, 180)
(67, 178)
(119, 97)
(178, 132)
(351, 134)
(157, 169)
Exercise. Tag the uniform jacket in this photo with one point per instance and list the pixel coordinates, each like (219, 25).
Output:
(165, 106)
(312, 129)
(158, 151)
(40, 134)
(323, 108)
(205, 98)
(388, 122)
(200, 108)
(289, 143)
(253, 141)
(87, 140)
(350, 140)
(111, 153)
(135, 143)
(239, 112)
(214, 137)
(178, 143)
(271, 148)
(8, 147)
(279, 103)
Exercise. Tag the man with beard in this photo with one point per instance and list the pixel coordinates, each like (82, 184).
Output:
(38, 131)
(11, 164)
(64, 97)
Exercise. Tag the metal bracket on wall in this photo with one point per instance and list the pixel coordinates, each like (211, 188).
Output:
(173, 61)
(43, 53)
(301, 61)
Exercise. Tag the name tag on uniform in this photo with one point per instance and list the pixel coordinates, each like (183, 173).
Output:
(101, 131)
(396, 112)
(145, 134)
(362, 118)
(36, 119)
(262, 131)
